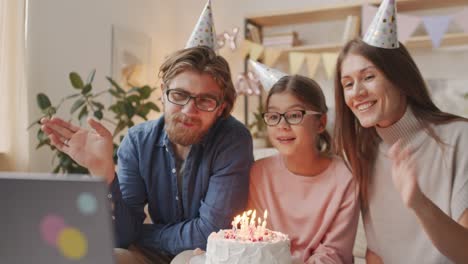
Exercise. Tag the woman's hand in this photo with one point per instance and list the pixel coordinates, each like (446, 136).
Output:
(404, 174)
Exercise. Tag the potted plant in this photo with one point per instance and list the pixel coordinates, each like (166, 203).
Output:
(126, 106)
(258, 129)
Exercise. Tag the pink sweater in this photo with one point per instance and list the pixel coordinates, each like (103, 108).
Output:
(320, 213)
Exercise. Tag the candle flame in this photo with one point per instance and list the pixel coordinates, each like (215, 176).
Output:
(249, 225)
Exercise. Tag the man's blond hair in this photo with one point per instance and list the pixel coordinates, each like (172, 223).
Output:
(201, 59)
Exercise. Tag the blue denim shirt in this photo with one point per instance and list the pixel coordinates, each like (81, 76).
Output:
(215, 186)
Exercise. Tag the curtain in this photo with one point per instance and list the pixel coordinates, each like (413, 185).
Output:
(13, 93)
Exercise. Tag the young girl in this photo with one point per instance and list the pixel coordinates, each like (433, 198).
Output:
(309, 193)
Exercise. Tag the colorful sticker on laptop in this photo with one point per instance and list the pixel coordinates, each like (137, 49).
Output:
(87, 203)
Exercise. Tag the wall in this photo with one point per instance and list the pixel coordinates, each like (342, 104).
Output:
(69, 36)
(66, 36)
(446, 66)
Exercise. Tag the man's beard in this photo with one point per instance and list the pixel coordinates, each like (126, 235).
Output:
(178, 134)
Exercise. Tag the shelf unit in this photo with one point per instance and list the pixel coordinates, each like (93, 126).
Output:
(341, 11)
(450, 39)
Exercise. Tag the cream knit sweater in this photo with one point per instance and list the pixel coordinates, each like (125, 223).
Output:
(392, 230)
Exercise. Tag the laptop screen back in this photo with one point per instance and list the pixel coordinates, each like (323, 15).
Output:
(54, 219)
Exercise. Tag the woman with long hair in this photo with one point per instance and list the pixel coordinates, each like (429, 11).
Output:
(409, 157)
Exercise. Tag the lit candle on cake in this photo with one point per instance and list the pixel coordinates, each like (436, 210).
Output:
(243, 222)
(265, 215)
(249, 226)
(252, 221)
(235, 223)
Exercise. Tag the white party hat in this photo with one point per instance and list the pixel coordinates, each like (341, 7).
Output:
(204, 32)
(267, 76)
(382, 32)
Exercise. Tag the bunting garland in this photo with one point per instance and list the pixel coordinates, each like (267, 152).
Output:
(271, 56)
(436, 27)
(312, 60)
(296, 59)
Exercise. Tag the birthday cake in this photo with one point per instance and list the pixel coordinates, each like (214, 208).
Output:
(248, 243)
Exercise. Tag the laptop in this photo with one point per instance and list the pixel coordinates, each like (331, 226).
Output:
(49, 218)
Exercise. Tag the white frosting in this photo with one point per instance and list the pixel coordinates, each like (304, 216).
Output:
(275, 249)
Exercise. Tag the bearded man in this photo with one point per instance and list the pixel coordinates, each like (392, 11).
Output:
(191, 166)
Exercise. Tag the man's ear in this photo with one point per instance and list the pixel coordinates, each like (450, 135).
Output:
(221, 109)
(162, 94)
(323, 123)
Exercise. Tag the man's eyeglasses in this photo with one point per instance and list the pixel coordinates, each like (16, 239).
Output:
(293, 117)
(202, 102)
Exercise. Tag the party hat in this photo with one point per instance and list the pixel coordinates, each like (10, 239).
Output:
(267, 76)
(204, 32)
(382, 32)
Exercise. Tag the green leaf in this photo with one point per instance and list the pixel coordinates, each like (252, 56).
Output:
(51, 111)
(120, 126)
(91, 76)
(36, 122)
(114, 108)
(143, 112)
(134, 99)
(152, 106)
(78, 103)
(76, 80)
(98, 114)
(86, 89)
(83, 114)
(117, 87)
(65, 161)
(115, 94)
(77, 169)
(98, 105)
(142, 115)
(129, 110)
(121, 107)
(56, 169)
(43, 101)
(40, 135)
(41, 144)
(145, 92)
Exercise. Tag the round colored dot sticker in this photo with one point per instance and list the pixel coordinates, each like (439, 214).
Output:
(72, 243)
(87, 203)
(50, 227)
